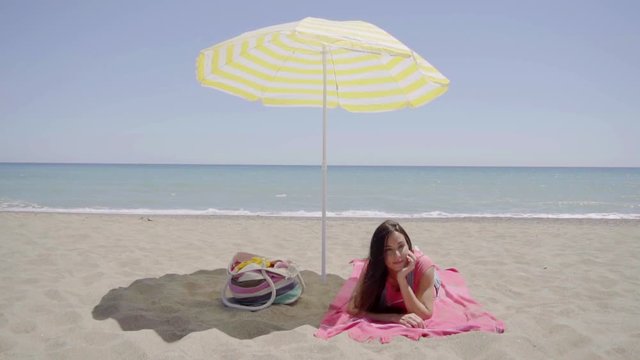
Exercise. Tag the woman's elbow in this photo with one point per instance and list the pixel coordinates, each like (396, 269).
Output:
(425, 315)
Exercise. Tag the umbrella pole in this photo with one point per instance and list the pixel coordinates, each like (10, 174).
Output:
(324, 163)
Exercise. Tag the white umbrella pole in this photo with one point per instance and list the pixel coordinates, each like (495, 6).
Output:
(324, 164)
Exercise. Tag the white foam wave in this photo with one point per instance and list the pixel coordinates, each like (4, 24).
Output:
(27, 207)
(17, 205)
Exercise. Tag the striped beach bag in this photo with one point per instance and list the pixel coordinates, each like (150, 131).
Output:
(255, 282)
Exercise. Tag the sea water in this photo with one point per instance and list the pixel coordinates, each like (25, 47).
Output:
(353, 191)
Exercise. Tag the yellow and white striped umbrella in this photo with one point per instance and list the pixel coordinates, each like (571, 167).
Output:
(367, 69)
(323, 63)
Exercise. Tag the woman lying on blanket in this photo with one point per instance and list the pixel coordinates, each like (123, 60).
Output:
(399, 284)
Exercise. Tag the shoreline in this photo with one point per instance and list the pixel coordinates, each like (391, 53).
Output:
(565, 288)
(596, 217)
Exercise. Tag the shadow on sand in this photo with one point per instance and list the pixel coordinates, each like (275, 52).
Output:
(176, 305)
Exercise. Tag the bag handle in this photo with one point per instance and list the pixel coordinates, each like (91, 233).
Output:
(230, 304)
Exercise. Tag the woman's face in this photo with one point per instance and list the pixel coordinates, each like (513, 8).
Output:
(395, 252)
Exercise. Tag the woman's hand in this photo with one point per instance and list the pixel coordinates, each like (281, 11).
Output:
(411, 320)
(411, 264)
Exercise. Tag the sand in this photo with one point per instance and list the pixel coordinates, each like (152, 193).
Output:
(78, 286)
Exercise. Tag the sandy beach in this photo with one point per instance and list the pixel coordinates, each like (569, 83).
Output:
(78, 286)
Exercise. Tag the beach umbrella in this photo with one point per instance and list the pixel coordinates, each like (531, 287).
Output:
(321, 63)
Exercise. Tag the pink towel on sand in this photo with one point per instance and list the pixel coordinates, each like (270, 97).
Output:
(454, 312)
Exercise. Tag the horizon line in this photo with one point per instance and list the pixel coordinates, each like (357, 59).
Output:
(318, 165)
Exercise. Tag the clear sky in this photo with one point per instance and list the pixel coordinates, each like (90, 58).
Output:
(533, 83)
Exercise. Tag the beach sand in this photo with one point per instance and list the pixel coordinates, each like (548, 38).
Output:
(78, 286)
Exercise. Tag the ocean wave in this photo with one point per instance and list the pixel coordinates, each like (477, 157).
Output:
(28, 207)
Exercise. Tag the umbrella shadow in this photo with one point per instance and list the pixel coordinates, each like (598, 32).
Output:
(176, 305)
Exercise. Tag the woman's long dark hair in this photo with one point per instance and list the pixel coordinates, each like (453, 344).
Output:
(375, 275)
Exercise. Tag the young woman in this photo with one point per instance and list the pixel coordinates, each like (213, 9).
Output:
(397, 283)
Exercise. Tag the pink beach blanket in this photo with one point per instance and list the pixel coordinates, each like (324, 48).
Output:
(454, 312)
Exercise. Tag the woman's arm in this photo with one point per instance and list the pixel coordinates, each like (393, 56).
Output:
(409, 320)
(420, 302)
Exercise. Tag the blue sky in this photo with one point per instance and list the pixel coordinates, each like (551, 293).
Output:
(533, 83)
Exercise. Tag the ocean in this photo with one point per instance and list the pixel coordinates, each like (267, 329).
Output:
(353, 191)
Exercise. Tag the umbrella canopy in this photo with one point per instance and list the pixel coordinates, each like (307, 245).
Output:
(367, 70)
(315, 62)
